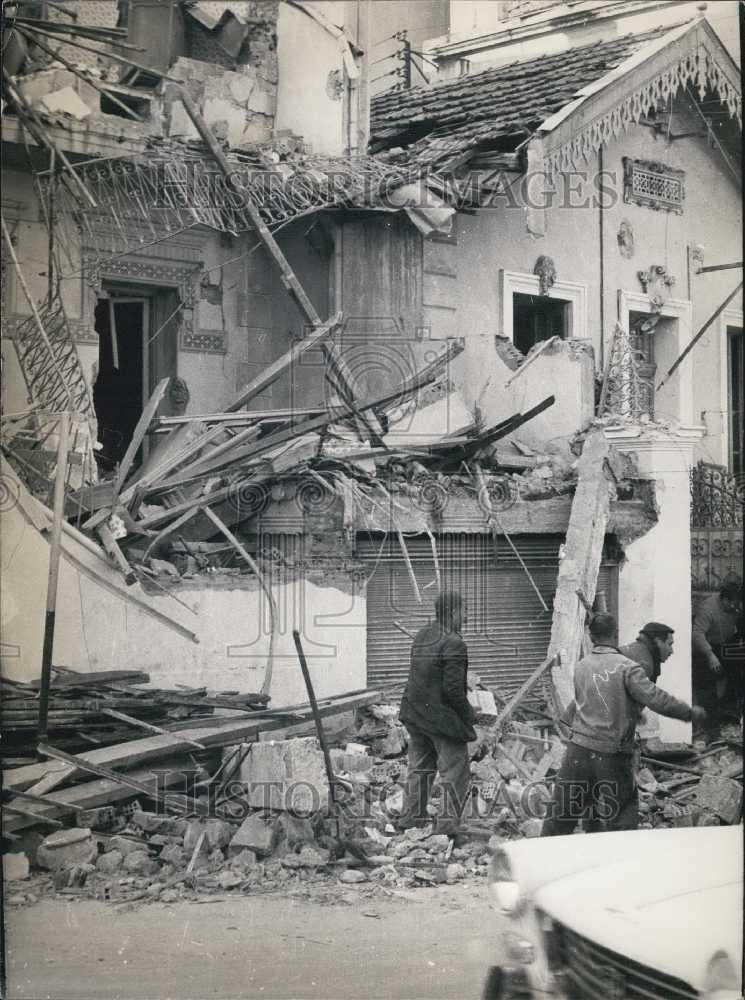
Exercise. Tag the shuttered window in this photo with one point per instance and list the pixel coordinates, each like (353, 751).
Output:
(507, 630)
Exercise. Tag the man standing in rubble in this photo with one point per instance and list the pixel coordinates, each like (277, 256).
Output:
(438, 718)
(717, 677)
(596, 779)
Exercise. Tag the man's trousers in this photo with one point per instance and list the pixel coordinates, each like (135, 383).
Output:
(430, 754)
(598, 788)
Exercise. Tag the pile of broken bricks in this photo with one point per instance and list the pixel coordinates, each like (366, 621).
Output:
(278, 830)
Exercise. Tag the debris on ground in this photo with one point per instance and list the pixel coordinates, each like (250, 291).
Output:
(141, 853)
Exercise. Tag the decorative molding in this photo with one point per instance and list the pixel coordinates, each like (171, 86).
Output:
(653, 185)
(529, 284)
(625, 237)
(691, 65)
(545, 269)
(656, 282)
(148, 270)
(202, 341)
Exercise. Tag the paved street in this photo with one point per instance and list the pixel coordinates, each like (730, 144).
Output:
(432, 944)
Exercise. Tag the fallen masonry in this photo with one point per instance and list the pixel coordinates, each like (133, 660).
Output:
(216, 840)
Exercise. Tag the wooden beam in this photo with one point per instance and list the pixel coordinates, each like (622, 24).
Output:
(111, 546)
(524, 690)
(140, 724)
(578, 570)
(101, 792)
(135, 752)
(274, 370)
(55, 548)
(139, 433)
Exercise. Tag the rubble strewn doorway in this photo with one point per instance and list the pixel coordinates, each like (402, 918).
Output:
(137, 334)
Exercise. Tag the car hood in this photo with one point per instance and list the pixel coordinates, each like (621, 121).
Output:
(669, 903)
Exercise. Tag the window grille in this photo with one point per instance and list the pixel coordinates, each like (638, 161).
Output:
(654, 184)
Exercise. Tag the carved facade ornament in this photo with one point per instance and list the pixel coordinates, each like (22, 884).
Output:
(657, 283)
(545, 269)
(178, 394)
(625, 239)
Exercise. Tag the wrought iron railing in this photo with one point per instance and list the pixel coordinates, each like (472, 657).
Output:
(717, 500)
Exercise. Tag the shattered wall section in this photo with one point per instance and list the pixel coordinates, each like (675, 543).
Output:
(239, 105)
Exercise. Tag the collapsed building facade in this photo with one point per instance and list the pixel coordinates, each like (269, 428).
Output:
(488, 414)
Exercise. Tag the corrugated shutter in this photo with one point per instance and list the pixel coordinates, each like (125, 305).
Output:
(507, 630)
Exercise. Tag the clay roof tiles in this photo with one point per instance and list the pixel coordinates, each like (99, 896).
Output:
(496, 108)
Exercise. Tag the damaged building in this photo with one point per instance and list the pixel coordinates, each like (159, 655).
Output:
(324, 355)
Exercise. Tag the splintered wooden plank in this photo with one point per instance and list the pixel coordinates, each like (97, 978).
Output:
(139, 432)
(91, 794)
(134, 752)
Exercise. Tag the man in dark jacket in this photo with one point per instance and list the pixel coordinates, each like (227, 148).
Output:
(717, 674)
(438, 718)
(651, 648)
(596, 778)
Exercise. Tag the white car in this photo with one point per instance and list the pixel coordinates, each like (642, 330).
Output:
(652, 914)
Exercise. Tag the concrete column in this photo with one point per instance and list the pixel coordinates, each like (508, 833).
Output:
(655, 579)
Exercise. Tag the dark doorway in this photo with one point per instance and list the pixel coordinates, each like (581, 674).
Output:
(118, 392)
(536, 318)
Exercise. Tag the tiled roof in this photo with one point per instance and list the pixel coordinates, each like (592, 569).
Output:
(495, 109)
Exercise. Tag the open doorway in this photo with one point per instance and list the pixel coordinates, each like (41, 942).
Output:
(121, 324)
(138, 346)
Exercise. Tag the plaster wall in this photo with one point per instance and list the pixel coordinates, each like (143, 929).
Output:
(97, 630)
(312, 85)
(654, 580)
(497, 238)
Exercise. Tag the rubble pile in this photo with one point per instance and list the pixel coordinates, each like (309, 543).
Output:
(262, 818)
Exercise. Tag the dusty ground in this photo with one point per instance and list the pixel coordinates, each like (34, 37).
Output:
(424, 944)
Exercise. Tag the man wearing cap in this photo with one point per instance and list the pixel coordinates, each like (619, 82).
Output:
(596, 779)
(651, 648)
(716, 681)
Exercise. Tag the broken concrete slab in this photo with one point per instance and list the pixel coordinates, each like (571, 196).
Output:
(351, 763)
(140, 863)
(286, 775)
(123, 845)
(218, 833)
(256, 834)
(15, 867)
(66, 102)
(722, 796)
(308, 857)
(110, 863)
(66, 848)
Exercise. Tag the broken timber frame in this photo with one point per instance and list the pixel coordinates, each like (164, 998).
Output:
(578, 570)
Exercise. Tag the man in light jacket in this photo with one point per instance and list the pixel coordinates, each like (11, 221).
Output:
(438, 717)
(596, 779)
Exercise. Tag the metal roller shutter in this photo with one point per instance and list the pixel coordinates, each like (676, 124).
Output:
(507, 630)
